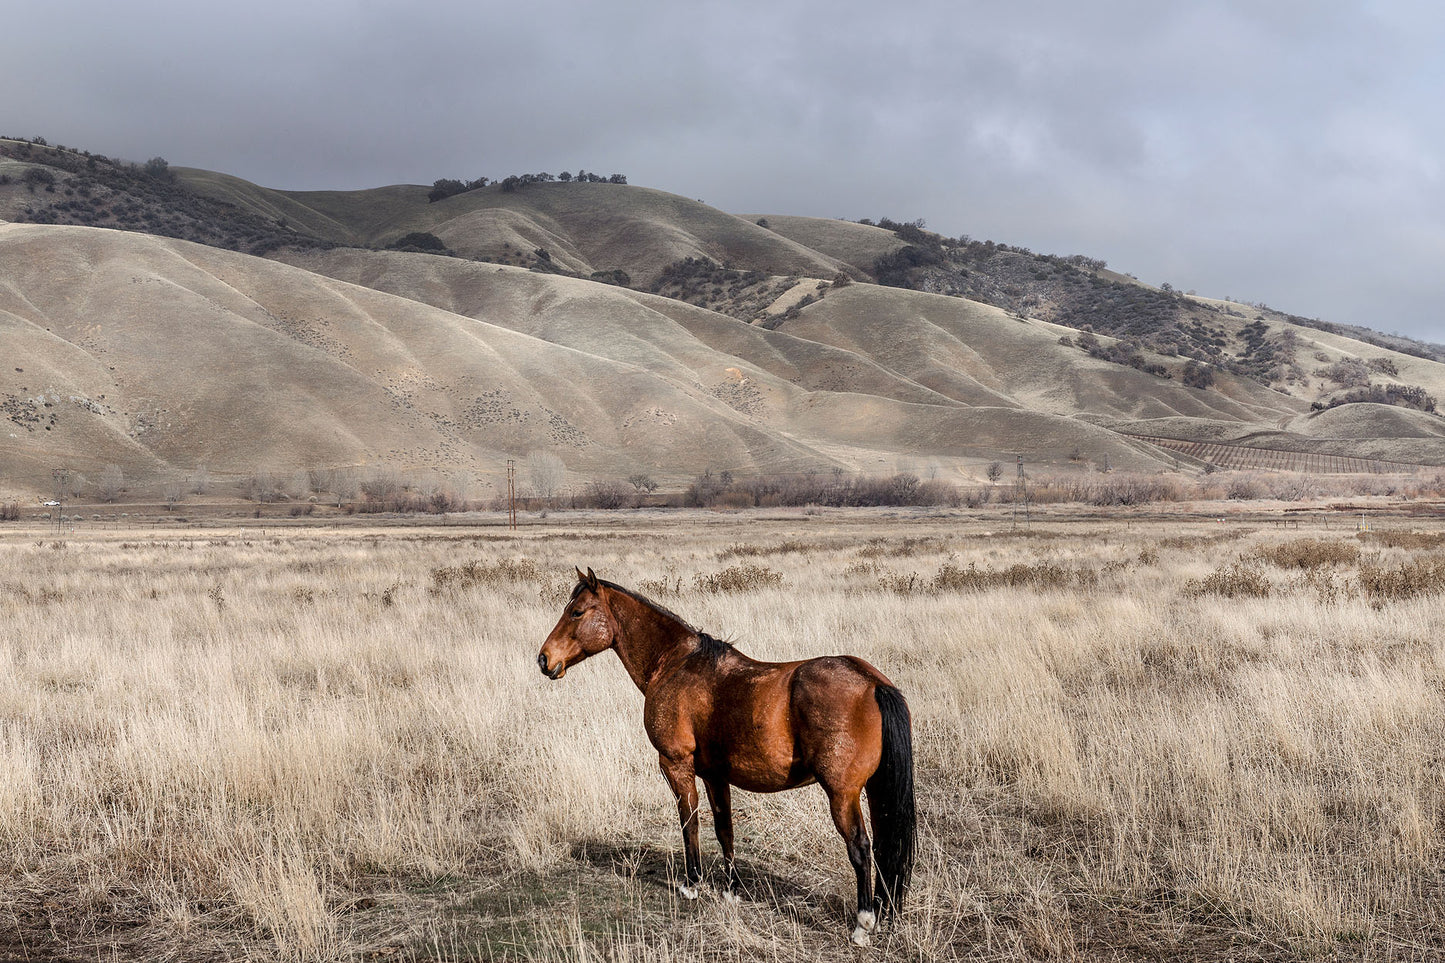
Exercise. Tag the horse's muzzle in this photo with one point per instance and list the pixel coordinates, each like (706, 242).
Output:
(553, 674)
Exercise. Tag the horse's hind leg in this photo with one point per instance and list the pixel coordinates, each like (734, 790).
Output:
(847, 810)
(720, 798)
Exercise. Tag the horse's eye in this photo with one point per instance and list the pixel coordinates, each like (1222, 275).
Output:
(576, 613)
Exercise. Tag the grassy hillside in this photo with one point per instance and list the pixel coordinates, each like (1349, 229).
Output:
(615, 322)
(620, 328)
(963, 346)
(1080, 292)
(160, 356)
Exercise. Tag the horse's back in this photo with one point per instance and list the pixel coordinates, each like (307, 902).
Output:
(839, 674)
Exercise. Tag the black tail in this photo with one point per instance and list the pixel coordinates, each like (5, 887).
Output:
(890, 802)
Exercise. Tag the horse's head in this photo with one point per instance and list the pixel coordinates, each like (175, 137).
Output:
(585, 628)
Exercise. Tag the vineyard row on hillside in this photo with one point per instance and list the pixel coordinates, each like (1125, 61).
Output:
(1274, 459)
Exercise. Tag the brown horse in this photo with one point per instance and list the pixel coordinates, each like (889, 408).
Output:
(761, 726)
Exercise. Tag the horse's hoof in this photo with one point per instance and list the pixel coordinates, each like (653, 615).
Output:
(730, 897)
(867, 920)
(860, 937)
(687, 892)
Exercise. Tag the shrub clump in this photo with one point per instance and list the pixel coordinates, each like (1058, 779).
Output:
(1421, 576)
(1041, 576)
(423, 242)
(1310, 553)
(660, 587)
(738, 578)
(1412, 540)
(902, 583)
(747, 550)
(474, 573)
(1239, 580)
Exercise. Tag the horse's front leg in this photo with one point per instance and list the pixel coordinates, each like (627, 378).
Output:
(683, 780)
(720, 798)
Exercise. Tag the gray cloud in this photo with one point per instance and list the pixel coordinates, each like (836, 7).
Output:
(1283, 151)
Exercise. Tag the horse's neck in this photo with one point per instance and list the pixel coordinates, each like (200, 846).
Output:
(645, 637)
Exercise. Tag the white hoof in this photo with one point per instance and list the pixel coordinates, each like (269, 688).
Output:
(860, 937)
(730, 897)
(687, 892)
(867, 921)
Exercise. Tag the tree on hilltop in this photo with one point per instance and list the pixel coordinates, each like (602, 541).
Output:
(158, 168)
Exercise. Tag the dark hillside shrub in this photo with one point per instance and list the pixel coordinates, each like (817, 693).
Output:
(1402, 396)
(1197, 375)
(422, 241)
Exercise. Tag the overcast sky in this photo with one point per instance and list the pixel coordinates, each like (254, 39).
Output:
(1284, 151)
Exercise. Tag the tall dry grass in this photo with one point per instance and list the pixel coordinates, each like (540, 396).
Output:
(326, 745)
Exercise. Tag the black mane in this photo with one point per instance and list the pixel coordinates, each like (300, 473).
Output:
(712, 649)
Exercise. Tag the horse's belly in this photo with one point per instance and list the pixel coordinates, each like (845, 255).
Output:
(755, 768)
(769, 784)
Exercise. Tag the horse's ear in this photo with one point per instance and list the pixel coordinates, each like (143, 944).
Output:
(580, 576)
(591, 580)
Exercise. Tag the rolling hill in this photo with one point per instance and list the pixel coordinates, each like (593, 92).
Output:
(165, 320)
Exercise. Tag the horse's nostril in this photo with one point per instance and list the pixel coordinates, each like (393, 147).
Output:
(542, 662)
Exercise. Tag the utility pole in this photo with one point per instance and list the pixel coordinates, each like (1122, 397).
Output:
(511, 494)
(62, 482)
(1021, 494)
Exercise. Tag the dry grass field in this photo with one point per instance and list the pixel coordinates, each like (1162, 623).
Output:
(1166, 739)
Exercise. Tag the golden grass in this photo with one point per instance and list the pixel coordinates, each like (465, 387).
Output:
(336, 744)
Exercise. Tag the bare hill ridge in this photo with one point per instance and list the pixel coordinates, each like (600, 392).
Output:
(583, 227)
(160, 356)
(753, 344)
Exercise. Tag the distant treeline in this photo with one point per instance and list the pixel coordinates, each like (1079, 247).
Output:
(448, 187)
(389, 491)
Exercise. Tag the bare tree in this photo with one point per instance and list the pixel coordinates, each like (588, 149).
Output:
(606, 494)
(545, 474)
(343, 485)
(995, 471)
(383, 485)
(263, 486)
(461, 485)
(173, 489)
(298, 485)
(642, 482)
(112, 483)
(642, 485)
(200, 480)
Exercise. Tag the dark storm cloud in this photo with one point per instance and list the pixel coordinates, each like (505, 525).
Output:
(1271, 150)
